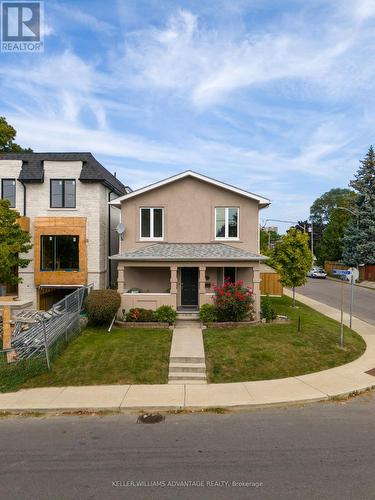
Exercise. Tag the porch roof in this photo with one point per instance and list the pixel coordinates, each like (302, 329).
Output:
(189, 252)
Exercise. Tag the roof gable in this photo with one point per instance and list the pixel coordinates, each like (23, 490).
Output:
(92, 171)
(263, 202)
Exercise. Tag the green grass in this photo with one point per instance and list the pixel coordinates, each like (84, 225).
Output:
(124, 356)
(270, 351)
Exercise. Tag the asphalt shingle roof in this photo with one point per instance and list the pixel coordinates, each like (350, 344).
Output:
(189, 251)
(92, 170)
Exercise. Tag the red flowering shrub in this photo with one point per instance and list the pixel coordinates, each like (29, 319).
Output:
(233, 301)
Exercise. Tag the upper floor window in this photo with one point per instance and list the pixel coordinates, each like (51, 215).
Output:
(63, 193)
(8, 191)
(59, 253)
(152, 222)
(226, 222)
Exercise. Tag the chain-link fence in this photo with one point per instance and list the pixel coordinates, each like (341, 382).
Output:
(37, 337)
(37, 332)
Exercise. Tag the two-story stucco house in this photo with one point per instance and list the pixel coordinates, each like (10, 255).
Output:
(63, 200)
(183, 235)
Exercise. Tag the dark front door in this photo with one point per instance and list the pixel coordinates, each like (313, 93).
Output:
(189, 286)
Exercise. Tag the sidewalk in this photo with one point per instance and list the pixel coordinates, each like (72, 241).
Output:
(319, 386)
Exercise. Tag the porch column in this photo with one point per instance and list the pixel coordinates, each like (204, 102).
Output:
(256, 289)
(174, 284)
(120, 278)
(202, 284)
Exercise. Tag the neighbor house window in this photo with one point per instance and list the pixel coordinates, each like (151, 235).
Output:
(152, 221)
(63, 193)
(59, 253)
(8, 191)
(226, 219)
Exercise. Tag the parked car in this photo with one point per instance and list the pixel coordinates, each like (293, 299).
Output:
(317, 272)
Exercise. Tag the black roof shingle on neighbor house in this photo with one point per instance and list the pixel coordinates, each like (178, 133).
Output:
(92, 170)
(189, 251)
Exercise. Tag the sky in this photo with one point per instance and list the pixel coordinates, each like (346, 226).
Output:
(275, 97)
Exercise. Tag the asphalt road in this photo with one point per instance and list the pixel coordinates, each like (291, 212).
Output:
(329, 292)
(321, 451)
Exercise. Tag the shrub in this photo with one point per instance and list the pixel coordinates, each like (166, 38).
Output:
(166, 314)
(233, 301)
(268, 311)
(101, 306)
(208, 313)
(138, 314)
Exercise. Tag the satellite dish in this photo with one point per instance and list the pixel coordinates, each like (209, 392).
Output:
(120, 229)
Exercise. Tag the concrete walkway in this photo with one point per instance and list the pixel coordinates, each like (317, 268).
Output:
(319, 386)
(187, 360)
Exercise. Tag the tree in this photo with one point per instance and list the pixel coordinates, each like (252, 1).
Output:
(13, 242)
(329, 222)
(325, 205)
(292, 258)
(359, 239)
(331, 246)
(7, 136)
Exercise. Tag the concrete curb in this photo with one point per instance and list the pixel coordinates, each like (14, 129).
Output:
(334, 383)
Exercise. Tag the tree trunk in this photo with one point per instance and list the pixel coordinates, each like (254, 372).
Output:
(294, 297)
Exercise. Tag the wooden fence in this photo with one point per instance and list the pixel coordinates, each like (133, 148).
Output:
(270, 284)
(329, 266)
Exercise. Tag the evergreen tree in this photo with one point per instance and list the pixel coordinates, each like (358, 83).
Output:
(292, 258)
(359, 239)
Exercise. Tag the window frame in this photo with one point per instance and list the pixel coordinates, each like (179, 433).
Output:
(15, 190)
(226, 224)
(54, 257)
(151, 237)
(63, 193)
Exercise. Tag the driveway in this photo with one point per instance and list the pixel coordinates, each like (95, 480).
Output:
(329, 292)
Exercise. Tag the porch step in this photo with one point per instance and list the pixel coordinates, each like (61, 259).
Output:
(186, 359)
(181, 368)
(188, 376)
(186, 381)
(188, 315)
(187, 323)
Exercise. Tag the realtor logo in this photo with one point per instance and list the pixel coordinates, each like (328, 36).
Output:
(21, 24)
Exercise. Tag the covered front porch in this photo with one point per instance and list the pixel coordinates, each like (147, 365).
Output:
(183, 275)
(184, 286)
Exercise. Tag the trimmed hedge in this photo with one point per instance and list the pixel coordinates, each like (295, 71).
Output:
(164, 314)
(208, 313)
(138, 314)
(101, 306)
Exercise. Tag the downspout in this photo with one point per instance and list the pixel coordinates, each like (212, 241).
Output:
(109, 240)
(24, 197)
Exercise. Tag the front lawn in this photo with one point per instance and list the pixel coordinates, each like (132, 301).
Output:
(270, 351)
(124, 356)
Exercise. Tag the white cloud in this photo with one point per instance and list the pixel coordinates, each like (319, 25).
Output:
(76, 15)
(207, 66)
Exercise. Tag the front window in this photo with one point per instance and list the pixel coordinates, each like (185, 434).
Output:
(63, 193)
(152, 223)
(224, 273)
(226, 219)
(59, 253)
(8, 191)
